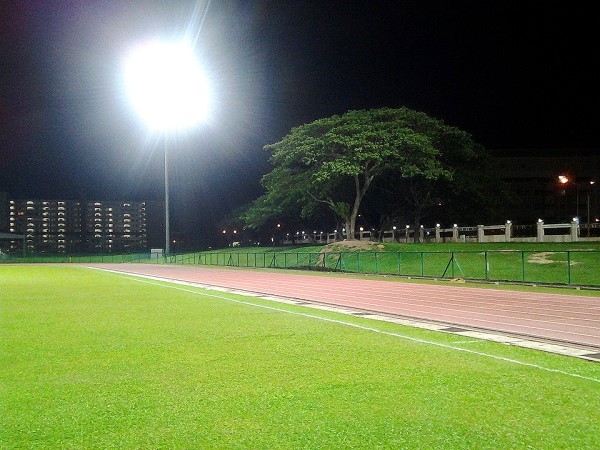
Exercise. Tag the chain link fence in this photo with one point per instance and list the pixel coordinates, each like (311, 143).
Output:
(570, 267)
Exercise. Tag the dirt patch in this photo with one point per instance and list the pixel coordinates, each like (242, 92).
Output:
(349, 246)
(542, 258)
(353, 246)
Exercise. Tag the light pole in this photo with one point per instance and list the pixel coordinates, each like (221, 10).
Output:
(169, 91)
(563, 179)
(589, 219)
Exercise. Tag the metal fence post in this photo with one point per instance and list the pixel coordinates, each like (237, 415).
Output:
(376, 265)
(422, 265)
(522, 266)
(487, 267)
(568, 266)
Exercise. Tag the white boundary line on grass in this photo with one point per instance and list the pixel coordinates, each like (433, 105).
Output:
(136, 277)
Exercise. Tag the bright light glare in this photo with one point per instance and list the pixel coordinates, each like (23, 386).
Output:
(166, 85)
(563, 179)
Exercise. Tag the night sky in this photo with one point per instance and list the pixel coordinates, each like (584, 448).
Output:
(521, 77)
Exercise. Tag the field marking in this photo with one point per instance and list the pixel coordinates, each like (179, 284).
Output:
(170, 283)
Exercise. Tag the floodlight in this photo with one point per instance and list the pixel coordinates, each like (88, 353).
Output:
(166, 85)
(169, 91)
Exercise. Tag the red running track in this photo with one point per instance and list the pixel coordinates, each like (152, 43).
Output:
(556, 317)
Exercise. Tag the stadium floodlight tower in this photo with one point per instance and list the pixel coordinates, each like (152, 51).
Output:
(169, 91)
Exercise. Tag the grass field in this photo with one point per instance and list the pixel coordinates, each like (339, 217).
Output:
(90, 359)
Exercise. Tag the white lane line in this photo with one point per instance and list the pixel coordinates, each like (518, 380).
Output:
(136, 277)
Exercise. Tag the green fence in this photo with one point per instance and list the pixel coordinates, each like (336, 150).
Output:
(82, 259)
(572, 267)
(563, 267)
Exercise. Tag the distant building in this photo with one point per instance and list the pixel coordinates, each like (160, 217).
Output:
(3, 212)
(72, 226)
(541, 195)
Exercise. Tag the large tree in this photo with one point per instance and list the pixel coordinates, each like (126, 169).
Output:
(335, 161)
(473, 194)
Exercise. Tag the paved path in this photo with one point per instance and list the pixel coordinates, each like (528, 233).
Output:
(555, 317)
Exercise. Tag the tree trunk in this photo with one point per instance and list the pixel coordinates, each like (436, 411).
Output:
(360, 193)
(349, 229)
(417, 222)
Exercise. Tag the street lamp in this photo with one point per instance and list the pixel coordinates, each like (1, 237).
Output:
(563, 179)
(169, 91)
(589, 217)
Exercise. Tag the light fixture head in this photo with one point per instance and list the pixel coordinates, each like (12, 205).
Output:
(166, 85)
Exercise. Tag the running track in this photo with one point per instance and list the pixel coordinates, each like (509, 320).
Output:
(555, 317)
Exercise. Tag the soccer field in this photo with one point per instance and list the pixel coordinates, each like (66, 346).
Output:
(91, 359)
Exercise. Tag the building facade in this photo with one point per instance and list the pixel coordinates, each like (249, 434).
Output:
(553, 188)
(72, 226)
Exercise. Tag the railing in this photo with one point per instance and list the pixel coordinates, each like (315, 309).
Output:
(570, 267)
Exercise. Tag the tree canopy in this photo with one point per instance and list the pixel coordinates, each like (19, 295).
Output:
(333, 162)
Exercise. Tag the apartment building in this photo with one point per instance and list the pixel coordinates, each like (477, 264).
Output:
(72, 226)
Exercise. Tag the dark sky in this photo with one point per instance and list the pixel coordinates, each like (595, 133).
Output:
(515, 74)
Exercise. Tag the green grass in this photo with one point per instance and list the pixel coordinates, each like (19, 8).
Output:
(97, 360)
(557, 263)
